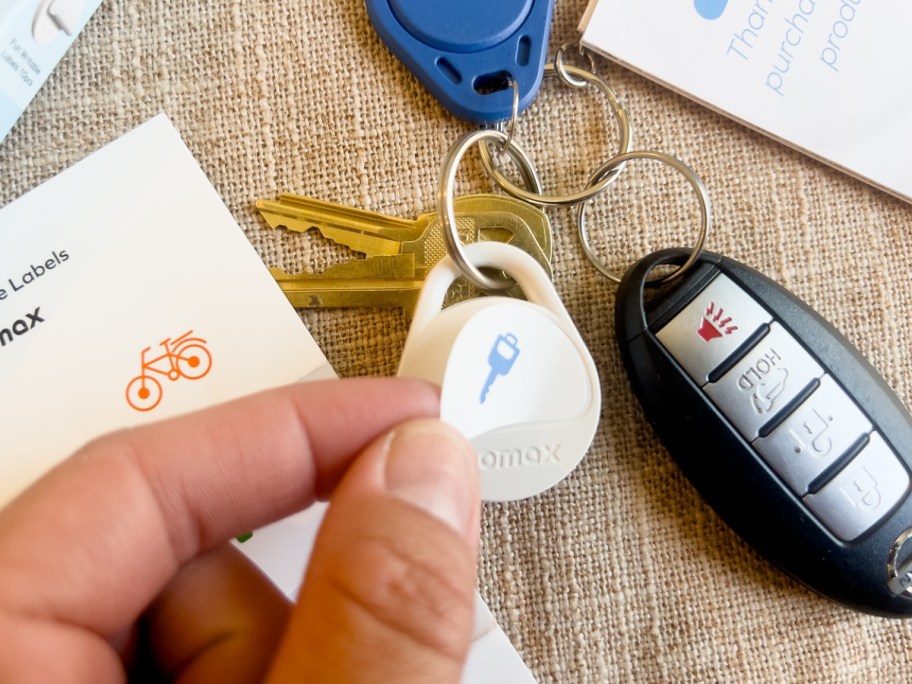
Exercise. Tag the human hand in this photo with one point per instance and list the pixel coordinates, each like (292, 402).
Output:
(115, 564)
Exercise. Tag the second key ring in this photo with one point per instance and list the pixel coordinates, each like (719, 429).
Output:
(591, 190)
(606, 169)
(446, 191)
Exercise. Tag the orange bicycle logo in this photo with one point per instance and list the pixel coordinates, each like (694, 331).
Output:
(184, 357)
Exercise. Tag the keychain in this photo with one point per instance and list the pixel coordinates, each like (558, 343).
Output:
(780, 424)
(777, 421)
(516, 378)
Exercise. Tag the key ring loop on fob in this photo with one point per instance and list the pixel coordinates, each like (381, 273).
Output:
(702, 195)
(561, 68)
(509, 127)
(446, 191)
(896, 585)
(590, 190)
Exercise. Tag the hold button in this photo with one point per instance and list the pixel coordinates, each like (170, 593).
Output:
(773, 374)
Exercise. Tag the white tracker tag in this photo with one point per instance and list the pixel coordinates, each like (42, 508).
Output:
(516, 378)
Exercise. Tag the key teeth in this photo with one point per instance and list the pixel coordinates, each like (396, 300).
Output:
(270, 213)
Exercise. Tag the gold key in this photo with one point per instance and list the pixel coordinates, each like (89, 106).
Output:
(399, 252)
(376, 234)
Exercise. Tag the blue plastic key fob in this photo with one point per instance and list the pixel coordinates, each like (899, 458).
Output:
(467, 52)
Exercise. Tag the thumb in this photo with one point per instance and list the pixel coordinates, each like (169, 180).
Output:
(389, 592)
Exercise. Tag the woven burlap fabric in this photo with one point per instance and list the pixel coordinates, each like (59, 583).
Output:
(620, 573)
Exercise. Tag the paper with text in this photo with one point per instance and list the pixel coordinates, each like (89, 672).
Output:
(828, 78)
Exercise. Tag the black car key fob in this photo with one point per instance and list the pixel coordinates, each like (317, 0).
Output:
(780, 424)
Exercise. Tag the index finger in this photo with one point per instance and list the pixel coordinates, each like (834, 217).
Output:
(102, 533)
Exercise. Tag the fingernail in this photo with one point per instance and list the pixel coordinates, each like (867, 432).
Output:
(431, 466)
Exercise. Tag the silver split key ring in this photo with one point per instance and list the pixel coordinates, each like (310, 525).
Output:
(591, 190)
(561, 66)
(446, 191)
(606, 169)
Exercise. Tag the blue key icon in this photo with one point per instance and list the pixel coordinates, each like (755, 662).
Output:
(501, 358)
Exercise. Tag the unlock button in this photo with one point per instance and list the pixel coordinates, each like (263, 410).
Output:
(814, 436)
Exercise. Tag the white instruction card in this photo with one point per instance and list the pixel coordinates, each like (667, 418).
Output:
(128, 293)
(34, 35)
(123, 283)
(828, 77)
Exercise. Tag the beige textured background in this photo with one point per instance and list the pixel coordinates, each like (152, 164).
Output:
(621, 573)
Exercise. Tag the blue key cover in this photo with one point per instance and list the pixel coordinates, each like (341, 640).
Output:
(467, 52)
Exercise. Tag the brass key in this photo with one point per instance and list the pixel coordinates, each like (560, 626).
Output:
(376, 234)
(399, 252)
